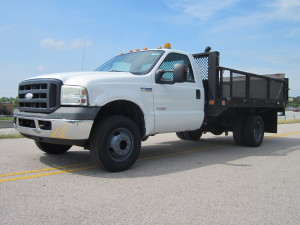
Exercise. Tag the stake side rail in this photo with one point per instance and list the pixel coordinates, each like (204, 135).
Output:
(242, 89)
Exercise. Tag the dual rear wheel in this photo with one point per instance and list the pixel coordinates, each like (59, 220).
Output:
(249, 131)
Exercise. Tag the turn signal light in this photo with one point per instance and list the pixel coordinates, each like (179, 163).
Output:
(167, 45)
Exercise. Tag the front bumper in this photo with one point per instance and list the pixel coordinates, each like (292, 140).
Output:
(68, 125)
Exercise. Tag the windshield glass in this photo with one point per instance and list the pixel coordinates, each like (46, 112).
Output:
(136, 62)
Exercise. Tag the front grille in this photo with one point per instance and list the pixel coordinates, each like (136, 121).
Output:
(39, 95)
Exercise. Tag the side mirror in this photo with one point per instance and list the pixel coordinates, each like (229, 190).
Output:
(179, 73)
(158, 77)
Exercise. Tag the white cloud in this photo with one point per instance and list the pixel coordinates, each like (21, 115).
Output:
(202, 9)
(42, 68)
(50, 43)
(65, 45)
(287, 9)
(271, 10)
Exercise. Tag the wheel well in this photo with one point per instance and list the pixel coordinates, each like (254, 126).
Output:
(125, 108)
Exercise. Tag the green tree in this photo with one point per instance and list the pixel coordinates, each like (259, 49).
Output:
(297, 100)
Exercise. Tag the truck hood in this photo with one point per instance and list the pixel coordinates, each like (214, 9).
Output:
(85, 78)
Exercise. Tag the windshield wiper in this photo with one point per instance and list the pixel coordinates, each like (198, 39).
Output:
(115, 71)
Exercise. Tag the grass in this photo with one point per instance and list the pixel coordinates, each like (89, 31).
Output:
(288, 121)
(6, 118)
(10, 136)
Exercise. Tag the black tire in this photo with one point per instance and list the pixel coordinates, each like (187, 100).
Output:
(52, 148)
(145, 138)
(253, 131)
(180, 135)
(194, 135)
(238, 134)
(115, 143)
(217, 131)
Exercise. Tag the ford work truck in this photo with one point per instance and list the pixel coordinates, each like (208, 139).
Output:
(132, 96)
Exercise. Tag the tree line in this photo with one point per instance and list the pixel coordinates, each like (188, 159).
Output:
(294, 102)
(10, 100)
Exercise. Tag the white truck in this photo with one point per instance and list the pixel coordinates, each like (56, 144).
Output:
(109, 111)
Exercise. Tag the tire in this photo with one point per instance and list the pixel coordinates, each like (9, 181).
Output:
(217, 131)
(52, 148)
(115, 143)
(145, 138)
(194, 135)
(238, 136)
(180, 135)
(253, 131)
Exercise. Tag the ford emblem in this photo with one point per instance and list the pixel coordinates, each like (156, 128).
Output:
(29, 96)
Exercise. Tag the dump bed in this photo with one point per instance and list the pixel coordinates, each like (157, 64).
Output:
(225, 87)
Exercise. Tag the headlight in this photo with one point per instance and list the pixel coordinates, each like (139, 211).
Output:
(73, 95)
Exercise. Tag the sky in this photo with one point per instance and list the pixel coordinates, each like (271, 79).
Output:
(49, 36)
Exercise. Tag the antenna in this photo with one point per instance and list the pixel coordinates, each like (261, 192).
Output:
(83, 54)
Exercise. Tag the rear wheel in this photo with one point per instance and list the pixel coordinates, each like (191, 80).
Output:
(254, 131)
(52, 148)
(115, 143)
(180, 135)
(238, 135)
(194, 135)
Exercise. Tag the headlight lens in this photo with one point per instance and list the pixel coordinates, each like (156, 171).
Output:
(74, 95)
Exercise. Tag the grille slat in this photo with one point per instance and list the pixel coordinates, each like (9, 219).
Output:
(39, 95)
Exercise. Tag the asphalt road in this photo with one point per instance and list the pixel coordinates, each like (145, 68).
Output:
(211, 181)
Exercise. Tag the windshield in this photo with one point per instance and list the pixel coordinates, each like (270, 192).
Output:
(136, 62)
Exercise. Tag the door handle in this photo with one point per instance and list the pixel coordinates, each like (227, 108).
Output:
(198, 94)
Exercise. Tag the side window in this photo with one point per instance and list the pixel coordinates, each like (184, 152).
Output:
(169, 63)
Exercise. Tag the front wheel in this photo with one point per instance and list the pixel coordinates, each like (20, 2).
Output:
(52, 148)
(115, 143)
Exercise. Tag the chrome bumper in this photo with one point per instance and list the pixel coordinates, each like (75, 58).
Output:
(54, 128)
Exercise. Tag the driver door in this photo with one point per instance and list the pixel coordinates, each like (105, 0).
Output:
(178, 106)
